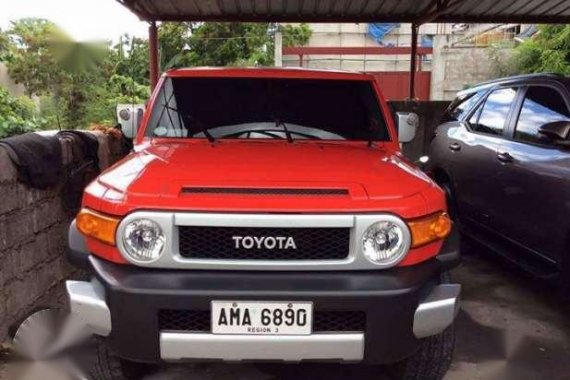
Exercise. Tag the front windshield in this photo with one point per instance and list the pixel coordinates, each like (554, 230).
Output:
(267, 108)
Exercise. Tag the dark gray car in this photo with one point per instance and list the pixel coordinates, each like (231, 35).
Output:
(503, 155)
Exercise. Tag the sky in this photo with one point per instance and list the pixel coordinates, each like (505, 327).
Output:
(83, 20)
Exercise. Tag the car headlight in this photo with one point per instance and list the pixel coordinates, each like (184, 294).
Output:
(386, 242)
(143, 240)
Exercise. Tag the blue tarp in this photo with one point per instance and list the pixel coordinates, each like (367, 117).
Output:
(427, 41)
(379, 31)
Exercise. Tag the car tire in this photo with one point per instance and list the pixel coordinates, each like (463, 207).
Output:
(430, 362)
(103, 364)
(432, 359)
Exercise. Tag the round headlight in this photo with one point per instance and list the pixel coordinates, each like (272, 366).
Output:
(386, 242)
(143, 240)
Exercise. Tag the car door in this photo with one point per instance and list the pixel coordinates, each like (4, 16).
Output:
(475, 166)
(534, 176)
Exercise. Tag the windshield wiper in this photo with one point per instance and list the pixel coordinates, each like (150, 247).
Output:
(279, 123)
(208, 135)
(371, 129)
(201, 128)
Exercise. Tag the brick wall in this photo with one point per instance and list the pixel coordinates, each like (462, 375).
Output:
(33, 238)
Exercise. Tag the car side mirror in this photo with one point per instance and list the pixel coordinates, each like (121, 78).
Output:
(557, 131)
(130, 117)
(408, 123)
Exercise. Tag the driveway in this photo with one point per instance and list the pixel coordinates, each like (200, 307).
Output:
(510, 327)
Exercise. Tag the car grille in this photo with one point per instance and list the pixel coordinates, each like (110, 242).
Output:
(218, 243)
(323, 321)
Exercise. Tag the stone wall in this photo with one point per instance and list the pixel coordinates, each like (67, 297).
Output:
(455, 68)
(33, 237)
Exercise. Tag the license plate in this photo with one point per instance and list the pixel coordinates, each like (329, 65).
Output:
(262, 318)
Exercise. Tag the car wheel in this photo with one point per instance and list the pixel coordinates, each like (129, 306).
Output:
(103, 364)
(432, 359)
(430, 362)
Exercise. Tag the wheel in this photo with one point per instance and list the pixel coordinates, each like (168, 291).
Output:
(432, 359)
(102, 364)
(430, 362)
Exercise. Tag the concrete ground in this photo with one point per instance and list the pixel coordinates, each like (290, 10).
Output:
(510, 327)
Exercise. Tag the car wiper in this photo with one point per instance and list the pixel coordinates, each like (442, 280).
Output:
(202, 128)
(208, 135)
(279, 123)
(373, 127)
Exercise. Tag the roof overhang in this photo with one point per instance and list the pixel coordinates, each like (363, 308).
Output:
(414, 11)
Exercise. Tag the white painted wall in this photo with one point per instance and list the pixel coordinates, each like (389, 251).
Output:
(356, 35)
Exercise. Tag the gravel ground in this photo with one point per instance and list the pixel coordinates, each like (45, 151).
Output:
(510, 327)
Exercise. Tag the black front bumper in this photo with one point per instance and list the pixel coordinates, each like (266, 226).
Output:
(389, 298)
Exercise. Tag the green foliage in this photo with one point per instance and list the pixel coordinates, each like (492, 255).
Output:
(230, 44)
(81, 83)
(130, 58)
(29, 59)
(548, 51)
(501, 57)
(172, 41)
(296, 35)
(104, 98)
(17, 115)
(239, 44)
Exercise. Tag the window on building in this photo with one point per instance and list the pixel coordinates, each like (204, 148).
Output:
(492, 117)
(541, 105)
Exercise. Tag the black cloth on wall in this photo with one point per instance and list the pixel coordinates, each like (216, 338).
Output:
(37, 158)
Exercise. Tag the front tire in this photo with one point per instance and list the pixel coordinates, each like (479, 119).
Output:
(434, 356)
(103, 364)
(430, 362)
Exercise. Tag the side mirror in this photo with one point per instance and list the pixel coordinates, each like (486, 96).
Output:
(129, 117)
(408, 123)
(557, 131)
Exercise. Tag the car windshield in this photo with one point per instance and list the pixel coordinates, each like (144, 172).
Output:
(267, 108)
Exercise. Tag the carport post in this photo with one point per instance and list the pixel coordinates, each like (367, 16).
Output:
(413, 61)
(153, 52)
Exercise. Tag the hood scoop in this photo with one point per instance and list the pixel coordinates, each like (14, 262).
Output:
(261, 191)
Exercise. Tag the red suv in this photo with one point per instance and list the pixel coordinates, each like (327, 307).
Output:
(267, 215)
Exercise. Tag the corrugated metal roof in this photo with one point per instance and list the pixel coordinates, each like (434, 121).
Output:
(472, 11)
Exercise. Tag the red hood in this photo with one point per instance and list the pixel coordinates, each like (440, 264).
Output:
(375, 178)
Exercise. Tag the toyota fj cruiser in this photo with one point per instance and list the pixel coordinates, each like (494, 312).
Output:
(267, 215)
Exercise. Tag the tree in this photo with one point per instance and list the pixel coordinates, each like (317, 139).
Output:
(130, 58)
(239, 44)
(17, 114)
(548, 51)
(4, 45)
(29, 59)
(49, 63)
(81, 83)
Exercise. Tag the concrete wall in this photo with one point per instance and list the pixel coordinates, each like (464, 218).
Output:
(33, 239)
(347, 35)
(455, 68)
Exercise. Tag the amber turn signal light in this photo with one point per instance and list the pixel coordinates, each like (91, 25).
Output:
(97, 226)
(429, 229)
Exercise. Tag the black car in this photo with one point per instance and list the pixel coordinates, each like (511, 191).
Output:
(503, 156)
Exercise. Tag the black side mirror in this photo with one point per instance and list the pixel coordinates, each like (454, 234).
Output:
(558, 131)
